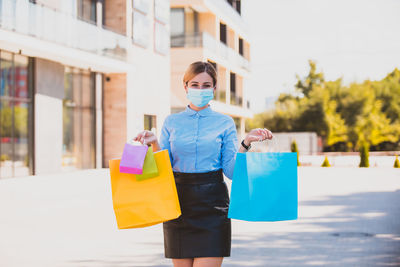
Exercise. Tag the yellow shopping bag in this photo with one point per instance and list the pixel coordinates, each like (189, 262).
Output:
(148, 202)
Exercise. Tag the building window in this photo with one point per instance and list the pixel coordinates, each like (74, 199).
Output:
(236, 4)
(141, 5)
(150, 123)
(238, 7)
(177, 22)
(241, 46)
(233, 83)
(87, 10)
(161, 38)
(16, 116)
(161, 10)
(141, 29)
(79, 124)
(234, 97)
(161, 35)
(177, 27)
(185, 28)
(222, 33)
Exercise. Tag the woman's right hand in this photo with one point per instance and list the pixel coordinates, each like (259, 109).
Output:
(146, 137)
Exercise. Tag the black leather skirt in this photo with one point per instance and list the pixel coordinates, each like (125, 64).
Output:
(203, 229)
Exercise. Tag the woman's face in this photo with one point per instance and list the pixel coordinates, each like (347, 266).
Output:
(200, 81)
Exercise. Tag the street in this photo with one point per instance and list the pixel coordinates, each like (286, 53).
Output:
(347, 217)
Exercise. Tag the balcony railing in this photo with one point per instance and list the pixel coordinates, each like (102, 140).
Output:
(203, 39)
(187, 40)
(244, 63)
(54, 26)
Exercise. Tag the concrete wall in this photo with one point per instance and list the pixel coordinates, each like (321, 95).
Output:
(148, 81)
(307, 143)
(56, 4)
(143, 90)
(114, 116)
(49, 84)
(208, 23)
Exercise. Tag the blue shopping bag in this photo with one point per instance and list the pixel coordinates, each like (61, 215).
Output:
(264, 187)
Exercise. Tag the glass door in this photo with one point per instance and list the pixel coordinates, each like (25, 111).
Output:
(16, 157)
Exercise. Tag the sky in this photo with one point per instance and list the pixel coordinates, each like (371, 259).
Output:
(352, 39)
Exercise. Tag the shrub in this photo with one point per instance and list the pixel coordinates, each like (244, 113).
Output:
(396, 162)
(293, 148)
(364, 155)
(326, 162)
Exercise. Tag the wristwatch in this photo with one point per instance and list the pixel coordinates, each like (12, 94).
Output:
(244, 145)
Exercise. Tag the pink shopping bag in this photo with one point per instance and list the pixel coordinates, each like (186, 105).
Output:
(133, 158)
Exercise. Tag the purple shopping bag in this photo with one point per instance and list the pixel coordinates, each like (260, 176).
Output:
(132, 159)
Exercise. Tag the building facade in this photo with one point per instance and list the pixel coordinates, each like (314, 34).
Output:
(78, 79)
(214, 31)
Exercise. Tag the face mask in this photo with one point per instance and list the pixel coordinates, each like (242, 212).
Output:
(200, 97)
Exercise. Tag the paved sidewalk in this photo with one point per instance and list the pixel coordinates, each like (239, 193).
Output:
(348, 217)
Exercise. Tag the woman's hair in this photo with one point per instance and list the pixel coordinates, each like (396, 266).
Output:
(200, 67)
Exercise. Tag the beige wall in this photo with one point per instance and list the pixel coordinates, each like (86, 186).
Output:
(221, 83)
(239, 85)
(231, 38)
(182, 3)
(208, 23)
(115, 15)
(246, 50)
(114, 116)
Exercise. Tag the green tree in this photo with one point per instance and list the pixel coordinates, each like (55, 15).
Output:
(373, 127)
(344, 116)
(313, 78)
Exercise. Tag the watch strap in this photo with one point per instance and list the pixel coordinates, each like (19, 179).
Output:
(244, 145)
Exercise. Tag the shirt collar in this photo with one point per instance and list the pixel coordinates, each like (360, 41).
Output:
(203, 112)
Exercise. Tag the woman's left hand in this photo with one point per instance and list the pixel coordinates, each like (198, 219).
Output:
(257, 135)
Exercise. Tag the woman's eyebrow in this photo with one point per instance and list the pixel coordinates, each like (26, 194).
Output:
(203, 83)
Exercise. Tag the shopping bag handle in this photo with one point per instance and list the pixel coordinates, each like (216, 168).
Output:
(132, 142)
(273, 145)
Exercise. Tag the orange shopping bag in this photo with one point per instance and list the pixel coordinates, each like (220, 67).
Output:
(147, 202)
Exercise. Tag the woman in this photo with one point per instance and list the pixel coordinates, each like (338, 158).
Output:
(202, 144)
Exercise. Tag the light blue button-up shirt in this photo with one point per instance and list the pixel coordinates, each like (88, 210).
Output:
(200, 141)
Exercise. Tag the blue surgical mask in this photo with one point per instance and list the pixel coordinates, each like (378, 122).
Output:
(200, 97)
